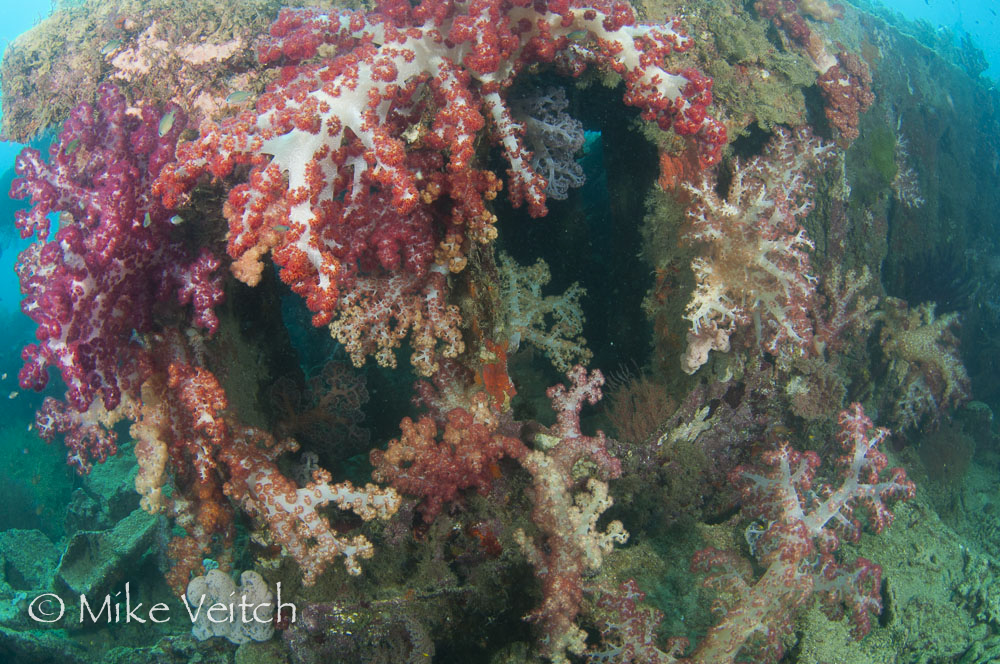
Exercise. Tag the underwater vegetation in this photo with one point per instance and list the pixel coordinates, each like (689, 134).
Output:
(499, 331)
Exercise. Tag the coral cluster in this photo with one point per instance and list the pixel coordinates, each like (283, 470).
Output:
(326, 413)
(755, 268)
(357, 173)
(553, 324)
(355, 183)
(794, 539)
(797, 543)
(115, 256)
(253, 614)
(347, 151)
(554, 138)
(923, 354)
(846, 86)
(417, 465)
(844, 79)
(196, 55)
(628, 633)
(570, 544)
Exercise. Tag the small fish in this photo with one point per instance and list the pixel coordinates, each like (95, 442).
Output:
(167, 122)
(281, 228)
(111, 46)
(146, 221)
(578, 35)
(72, 146)
(4, 376)
(177, 220)
(30, 426)
(238, 97)
(13, 395)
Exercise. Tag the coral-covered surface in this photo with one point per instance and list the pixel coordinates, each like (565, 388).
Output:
(756, 268)
(698, 304)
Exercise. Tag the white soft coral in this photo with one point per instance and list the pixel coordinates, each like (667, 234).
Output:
(755, 264)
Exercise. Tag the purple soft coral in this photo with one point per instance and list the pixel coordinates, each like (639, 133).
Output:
(554, 137)
(115, 254)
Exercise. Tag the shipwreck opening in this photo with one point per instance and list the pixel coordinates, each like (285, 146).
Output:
(593, 236)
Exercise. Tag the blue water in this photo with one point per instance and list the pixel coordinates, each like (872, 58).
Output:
(980, 19)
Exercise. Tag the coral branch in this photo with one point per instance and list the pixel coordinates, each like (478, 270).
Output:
(798, 542)
(361, 154)
(417, 464)
(94, 285)
(569, 544)
(755, 269)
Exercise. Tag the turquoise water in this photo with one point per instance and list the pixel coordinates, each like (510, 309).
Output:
(977, 19)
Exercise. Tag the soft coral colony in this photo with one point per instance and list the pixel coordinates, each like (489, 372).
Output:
(362, 175)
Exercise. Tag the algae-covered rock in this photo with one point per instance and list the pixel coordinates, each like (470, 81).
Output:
(194, 53)
(40, 646)
(179, 649)
(28, 558)
(270, 652)
(95, 560)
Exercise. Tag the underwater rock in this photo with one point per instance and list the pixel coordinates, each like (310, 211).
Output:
(272, 652)
(84, 513)
(108, 495)
(40, 646)
(27, 557)
(94, 560)
(179, 649)
(113, 483)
